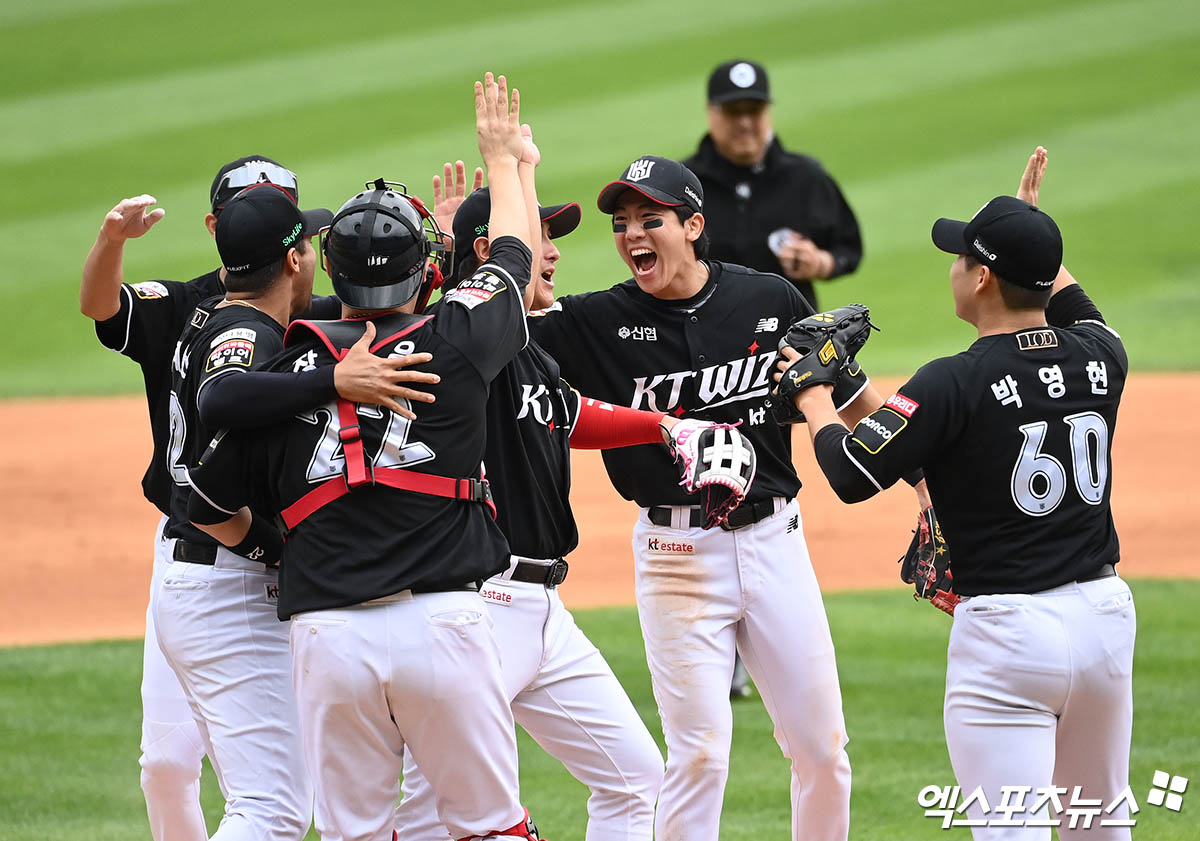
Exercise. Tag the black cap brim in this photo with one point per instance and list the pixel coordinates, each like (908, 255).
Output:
(949, 235)
(562, 218)
(607, 200)
(738, 96)
(316, 220)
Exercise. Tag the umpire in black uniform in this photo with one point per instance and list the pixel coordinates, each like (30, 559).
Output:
(767, 208)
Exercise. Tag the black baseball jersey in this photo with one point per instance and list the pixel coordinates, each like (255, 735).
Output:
(709, 357)
(146, 328)
(530, 415)
(376, 540)
(1015, 436)
(744, 206)
(218, 342)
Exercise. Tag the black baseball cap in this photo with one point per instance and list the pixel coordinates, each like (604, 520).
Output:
(471, 219)
(259, 225)
(1013, 238)
(659, 179)
(237, 175)
(738, 79)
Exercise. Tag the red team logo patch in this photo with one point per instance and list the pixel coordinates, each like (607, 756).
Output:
(904, 405)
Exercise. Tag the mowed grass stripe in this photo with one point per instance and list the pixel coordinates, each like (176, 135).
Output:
(895, 210)
(45, 125)
(41, 126)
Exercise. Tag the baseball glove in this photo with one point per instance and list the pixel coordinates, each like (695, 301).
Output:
(827, 343)
(716, 461)
(926, 564)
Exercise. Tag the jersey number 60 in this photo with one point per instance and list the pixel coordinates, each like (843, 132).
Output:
(1039, 480)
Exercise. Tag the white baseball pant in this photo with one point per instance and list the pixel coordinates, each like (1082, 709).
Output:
(420, 671)
(1039, 693)
(702, 595)
(172, 746)
(565, 695)
(219, 631)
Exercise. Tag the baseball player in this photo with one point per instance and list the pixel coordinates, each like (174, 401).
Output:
(1015, 436)
(143, 321)
(562, 691)
(215, 609)
(689, 336)
(390, 524)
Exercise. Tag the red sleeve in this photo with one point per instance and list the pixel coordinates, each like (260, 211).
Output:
(602, 426)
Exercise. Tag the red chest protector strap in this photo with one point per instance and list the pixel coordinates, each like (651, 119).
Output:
(357, 471)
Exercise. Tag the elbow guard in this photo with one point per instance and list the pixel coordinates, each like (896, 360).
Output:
(847, 479)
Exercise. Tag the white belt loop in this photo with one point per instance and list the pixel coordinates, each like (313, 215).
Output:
(681, 517)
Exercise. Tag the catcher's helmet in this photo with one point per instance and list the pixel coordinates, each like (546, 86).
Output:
(376, 248)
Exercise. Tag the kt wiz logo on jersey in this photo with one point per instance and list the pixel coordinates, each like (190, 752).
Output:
(716, 385)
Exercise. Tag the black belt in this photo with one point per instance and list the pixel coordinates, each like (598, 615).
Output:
(1106, 571)
(470, 587)
(549, 575)
(746, 514)
(195, 553)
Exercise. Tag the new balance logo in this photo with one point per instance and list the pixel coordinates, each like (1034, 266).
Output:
(767, 325)
(639, 170)
(377, 260)
(793, 524)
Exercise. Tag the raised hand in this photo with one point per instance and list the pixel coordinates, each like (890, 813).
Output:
(531, 154)
(363, 377)
(1031, 179)
(129, 219)
(450, 191)
(497, 123)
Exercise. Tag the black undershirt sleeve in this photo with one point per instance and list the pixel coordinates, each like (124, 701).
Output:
(262, 398)
(847, 481)
(1071, 305)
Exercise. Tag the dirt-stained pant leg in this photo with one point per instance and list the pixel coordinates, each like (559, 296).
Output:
(702, 594)
(786, 645)
(172, 742)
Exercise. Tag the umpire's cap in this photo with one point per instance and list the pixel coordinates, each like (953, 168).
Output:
(376, 249)
(736, 80)
(661, 180)
(1015, 239)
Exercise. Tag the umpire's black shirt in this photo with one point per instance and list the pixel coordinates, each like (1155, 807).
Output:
(743, 205)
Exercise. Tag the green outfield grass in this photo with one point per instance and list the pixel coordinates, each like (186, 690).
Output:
(920, 109)
(69, 725)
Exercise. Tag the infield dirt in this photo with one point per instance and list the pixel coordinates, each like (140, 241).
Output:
(77, 531)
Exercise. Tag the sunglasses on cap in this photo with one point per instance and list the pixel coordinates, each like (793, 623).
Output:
(258, 172)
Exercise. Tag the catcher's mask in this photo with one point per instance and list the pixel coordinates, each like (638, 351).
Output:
(377, 246)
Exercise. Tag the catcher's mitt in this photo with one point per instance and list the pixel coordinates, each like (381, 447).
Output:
(715, 460)
(827, 343)
(926, 564)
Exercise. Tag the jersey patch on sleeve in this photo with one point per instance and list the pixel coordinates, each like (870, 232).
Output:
(149, 290)
(233, 347)
(476, 290)
(904, 405)
(876, 430)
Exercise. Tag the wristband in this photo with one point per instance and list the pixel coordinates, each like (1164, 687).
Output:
(262, 543)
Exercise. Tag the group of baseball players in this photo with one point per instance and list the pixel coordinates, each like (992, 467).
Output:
(366, 512)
